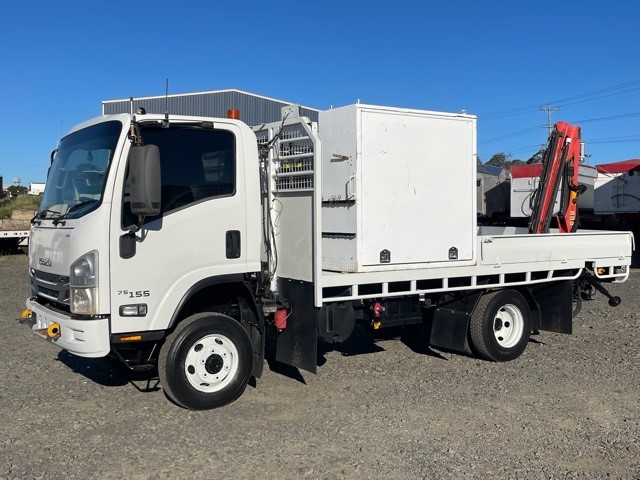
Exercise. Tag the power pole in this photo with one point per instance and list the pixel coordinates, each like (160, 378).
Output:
(549, 109)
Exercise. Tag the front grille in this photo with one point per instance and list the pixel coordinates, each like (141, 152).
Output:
(49, 277)
(52, 294)
(51, 288)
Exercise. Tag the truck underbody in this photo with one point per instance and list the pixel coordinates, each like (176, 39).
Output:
(14, 240)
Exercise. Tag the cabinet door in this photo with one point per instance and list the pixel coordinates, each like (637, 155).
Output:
(417, 188)
(338, 132)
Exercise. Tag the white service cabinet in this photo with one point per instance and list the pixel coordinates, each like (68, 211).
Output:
(398, 188)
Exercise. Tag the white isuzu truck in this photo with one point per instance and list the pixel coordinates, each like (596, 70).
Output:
(179, 243)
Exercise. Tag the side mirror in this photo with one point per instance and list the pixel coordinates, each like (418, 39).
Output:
(144, 180)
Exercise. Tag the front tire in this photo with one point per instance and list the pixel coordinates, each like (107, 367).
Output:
(500, 325)
(206, 362)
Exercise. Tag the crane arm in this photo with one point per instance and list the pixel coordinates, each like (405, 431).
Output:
(559, 172)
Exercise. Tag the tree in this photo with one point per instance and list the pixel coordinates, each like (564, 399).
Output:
(499, 160)
(503, 160)
(16, 190)
(537, 157)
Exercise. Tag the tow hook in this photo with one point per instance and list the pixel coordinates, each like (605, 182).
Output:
(26, 318)
(52, 331)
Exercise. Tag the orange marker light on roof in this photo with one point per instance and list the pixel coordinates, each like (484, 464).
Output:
(233, 113)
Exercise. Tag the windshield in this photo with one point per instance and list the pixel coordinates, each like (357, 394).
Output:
(77, 176)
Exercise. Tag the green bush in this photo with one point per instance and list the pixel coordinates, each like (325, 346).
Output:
(22, 202)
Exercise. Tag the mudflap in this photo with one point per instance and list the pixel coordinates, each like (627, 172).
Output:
(554, 303)
(254, 325)
(297, 345)
(451, 322)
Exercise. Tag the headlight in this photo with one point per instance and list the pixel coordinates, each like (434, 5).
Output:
(84, 271)
(83, 283)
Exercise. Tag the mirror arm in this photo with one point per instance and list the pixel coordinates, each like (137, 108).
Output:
(136, 228)
(128, 240)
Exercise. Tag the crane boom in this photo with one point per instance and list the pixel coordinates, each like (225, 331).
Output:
(559, 172)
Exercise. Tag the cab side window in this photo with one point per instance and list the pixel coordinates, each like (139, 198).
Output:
(197, 165)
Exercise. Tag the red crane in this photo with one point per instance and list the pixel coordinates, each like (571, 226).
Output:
(559, 172)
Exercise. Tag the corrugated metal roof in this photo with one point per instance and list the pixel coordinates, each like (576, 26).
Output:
(254, 109)
(490, 170)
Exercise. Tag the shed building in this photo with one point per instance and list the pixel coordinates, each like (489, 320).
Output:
(36, 188)
(254, 109)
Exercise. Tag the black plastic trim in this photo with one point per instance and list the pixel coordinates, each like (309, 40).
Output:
(148, 336)
(237, 278)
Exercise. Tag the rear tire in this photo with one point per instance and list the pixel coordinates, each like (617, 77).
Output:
(500, 325)
(206, 362)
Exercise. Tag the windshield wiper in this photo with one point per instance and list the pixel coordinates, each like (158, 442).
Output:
(72, 208)
(42, 215)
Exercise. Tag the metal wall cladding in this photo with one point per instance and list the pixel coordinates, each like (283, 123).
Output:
(254, 109)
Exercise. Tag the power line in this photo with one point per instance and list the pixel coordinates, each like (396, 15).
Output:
(623, 137)
(534, 129)
(583, 97)
(599, 142)
(588, 96)
(602, 90)
(564, 104)
(529, 148)
(603, 119)
(595, 141)
(510, 112)
(510, 135)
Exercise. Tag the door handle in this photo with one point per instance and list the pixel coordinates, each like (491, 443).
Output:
(233, 244)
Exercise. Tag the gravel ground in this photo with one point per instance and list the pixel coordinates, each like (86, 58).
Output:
(569, 407)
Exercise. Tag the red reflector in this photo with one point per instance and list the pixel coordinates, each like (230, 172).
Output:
(280, 319)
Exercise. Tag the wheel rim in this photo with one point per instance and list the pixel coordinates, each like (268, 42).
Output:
(508, 326)
(212, 363)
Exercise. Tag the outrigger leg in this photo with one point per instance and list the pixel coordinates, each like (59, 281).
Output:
(589, 279)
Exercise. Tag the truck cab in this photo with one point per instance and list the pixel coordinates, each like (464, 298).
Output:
(206, 234)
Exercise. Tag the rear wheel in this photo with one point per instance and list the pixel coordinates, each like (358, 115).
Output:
(206, 362)
(500, 325)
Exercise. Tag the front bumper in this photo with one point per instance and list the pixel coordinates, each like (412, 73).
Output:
(85, 338)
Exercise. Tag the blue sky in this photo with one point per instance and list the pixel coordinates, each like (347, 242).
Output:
(499, 60)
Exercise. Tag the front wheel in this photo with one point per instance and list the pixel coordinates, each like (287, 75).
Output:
(206, 362)
(500, 325)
